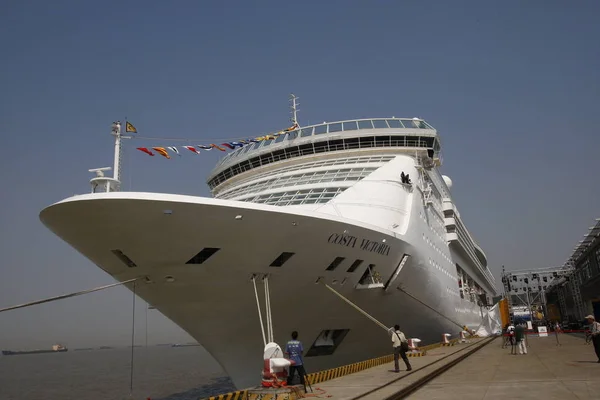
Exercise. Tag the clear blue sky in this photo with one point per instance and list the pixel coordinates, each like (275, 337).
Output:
(513, 88)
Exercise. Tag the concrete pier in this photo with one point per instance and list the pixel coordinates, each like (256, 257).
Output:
(548, 371)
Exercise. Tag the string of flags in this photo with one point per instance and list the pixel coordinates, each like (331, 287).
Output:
(164, 151)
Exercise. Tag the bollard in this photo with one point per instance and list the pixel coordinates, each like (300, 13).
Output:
(463, 338)
(445, 337)
(413, 344)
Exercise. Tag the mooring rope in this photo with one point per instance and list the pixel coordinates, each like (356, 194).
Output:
(366, 314)
(431, 308)
(262, 327)
(268, 306)
(66, 296)
(132, 342)
(379, 323)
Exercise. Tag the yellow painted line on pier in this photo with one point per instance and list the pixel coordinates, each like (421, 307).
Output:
(237, 395)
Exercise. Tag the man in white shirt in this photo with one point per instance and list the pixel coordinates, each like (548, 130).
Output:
(595, 332)
(400, 344)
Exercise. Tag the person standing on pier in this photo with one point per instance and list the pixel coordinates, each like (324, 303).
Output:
(400, 344)
(520, 338)
(294, 350)
(595, 332)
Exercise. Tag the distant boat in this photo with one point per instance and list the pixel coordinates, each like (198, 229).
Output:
(57, 348)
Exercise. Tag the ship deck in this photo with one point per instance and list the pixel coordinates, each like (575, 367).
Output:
(566, 368)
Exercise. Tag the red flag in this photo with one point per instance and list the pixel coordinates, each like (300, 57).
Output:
(192, 148)
(145, 150)
(227, 145)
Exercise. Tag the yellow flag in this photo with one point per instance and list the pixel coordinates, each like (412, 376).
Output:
(130, 128)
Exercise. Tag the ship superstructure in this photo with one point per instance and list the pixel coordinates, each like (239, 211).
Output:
(359, 204)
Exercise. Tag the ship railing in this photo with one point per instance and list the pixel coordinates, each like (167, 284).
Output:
(349, 126)
(403, 142)
(464, 242)
(467, 243)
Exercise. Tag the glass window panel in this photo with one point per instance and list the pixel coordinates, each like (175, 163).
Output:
(335, 127)
(394, 123)
(350, 126)
(306, 132)
(320, 129)
(408, 123)
(279, 138)
(420, 124)
(365, 124)
(380, 123)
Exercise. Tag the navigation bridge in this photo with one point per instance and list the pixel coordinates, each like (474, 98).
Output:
(380, 133)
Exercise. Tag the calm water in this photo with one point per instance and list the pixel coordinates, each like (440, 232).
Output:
(160, 373)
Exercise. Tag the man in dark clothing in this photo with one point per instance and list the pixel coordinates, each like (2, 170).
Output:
(595, 332)
(520, 338)
(400, 344)
(294, 350)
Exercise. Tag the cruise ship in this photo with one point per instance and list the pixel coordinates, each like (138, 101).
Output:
(354, 210)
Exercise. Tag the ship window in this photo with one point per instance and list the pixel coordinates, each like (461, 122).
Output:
(355, 265)
(394, 123)
(278, 155)
(351, 143)
(335, 127)
(320, 129)
(365, 124)
(368, 141)
(380, 123)
(124, 259)
(327, 342)
(204, 255)
(350, 126)
(321, 147)
(398, 141)
(281, 259)
(306, 149)
(370, 276)
(427, 140)
(335, 263)
(382, 141)
(335, 145)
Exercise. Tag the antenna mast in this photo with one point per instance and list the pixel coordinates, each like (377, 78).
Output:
(116, 132)
(294, 108)
(110, 184)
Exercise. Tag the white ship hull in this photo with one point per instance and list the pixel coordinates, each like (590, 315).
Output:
(214, 301)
